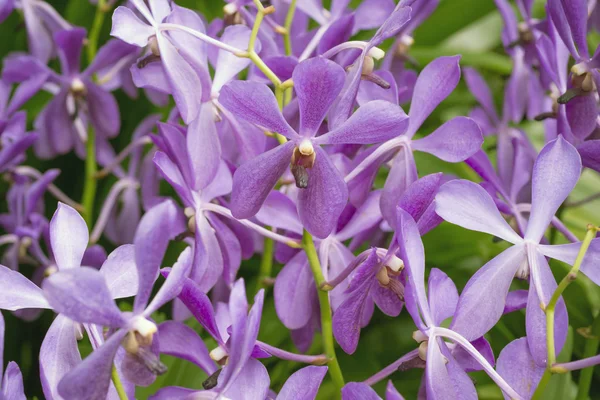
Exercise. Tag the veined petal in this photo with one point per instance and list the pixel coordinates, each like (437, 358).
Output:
(229, 65)
(120, 272)
(454, 141)
(590, 154)
(323, 200)
(293, 290)
(467, 204)
(279, 211)
(18, 292)
(303, 384)
(359, 391)
(317, 82)
(69, 237)
(179, 340)
(82, 295)
(555, 174)
(255, 103)
(103, 110)
(582, 114)
(437, 80)
(374, 122)
(200, 306)
(347, 319)
(518, 368)
(129, 28)
(567, 253)
(482, 301)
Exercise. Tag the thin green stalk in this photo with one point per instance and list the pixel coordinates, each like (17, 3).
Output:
(289, 18)
(118, 385)
(539, 392)
(92, 47)
(91, 183)
(266, 264)
(326, 324)
(566, 281)
(590, 350)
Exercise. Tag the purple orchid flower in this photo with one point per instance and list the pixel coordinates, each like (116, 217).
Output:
(62, 124)
(68, 292)
(362, 391)
(445, 363)
(454, 141)
(482, 301)
(380, 279)
(12, 379)
(517, 366)
(317, 83)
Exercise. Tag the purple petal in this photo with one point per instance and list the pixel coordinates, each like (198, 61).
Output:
(68, 236)
(567, 253)
(182, 78)
(120, 272)
(467, 204)
(400, 177)
(481, 91)
(69, 43)
(369, 91)
(374, 122)
(439, 383)
(590, 154)
(348, 317)
(542, 278)
(317, 82)
(201, 307)
(253, 180)
(252, 382)
(111, 53)
(229, 65)
(303, 384)
(204, 148)
(518, 368)
(443, 296)
(582, 114)
(371, 14)
(323, 200)
(58, 122)
(12, 384)
(82, 295)
(555, 174)
(455, 141)
(359, 391)
(179, 340)
(174, 282)
(366, 216)
(418, 201)
(294, 288)
(279, 211)
(129, 28)
(255, 103)
(91, 379)
(482, 301)
(437, 80)
(58, 355)
(18, 292)
(516, 300)
(157, 227)
(103, 109)
(466, 360)
(391, 393)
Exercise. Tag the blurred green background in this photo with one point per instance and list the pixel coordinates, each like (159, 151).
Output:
(468, 27)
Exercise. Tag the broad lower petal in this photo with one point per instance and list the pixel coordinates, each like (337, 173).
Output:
(323, 200)
(348, 317)
(517, 367)
(294, 288)
(303, 384)
(251, 383)
(69, 43)
(18, 292)
(359, 391)
(481, 303)
(279, 211)
(555, 174)
(82, 295)
(456, 140)
(467, 204)
(443, 296)
(179, 340)
(254, 180)
(582, 114)
(68, 237)
(120, 272)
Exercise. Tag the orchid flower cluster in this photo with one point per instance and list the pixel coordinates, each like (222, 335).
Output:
(299, 153)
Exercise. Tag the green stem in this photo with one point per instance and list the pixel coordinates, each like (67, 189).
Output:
(91, 183)
(539, 392)
(590, 350)
(566, 281)
(326, 324)
(92, 47)
(266, 264)
(118, 385)
(289, 18)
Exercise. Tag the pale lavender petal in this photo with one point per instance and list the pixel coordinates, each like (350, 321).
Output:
(279, 211)
(555, 174)
(12, 384)
(386, 300)
(82, 295)
(467, 204)
(90, 379)
(317, 82)
(567, 253)
(204, 148)
(110, 55)
(120, 272)
(293, 290)
(359, 391)
(400, 177)
(229, 65)
(103, 110)
(437, 80)
(69, 237)
(516, 300)
(128, 27)
(443, 296)
(391, 393)
(323, 200)
(179, 340)
(59, 354)
(466, 360)
(18, 292)
(455, 141)
(173, 284)
(178, 393)
(518, 368)
(438, 382)
(157, 227)
(200, 306)
(374, 122)
(253, 180)
(255, 103)
(481, 303)
(251, 383)
(481, 91)
(560, 21)
(303, 384)
(371, 14)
